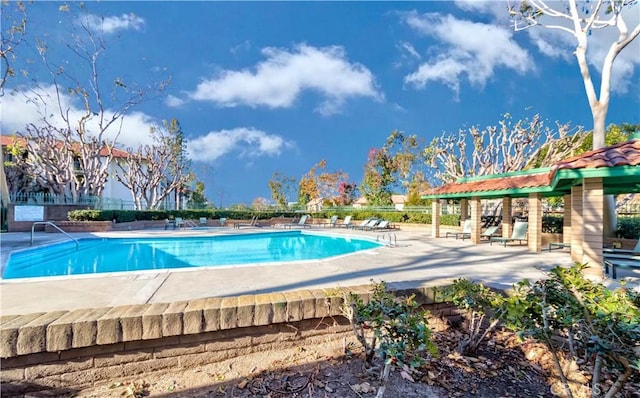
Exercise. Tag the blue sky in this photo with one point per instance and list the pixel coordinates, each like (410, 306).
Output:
(260, 87)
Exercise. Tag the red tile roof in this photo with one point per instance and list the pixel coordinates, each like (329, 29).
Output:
(8, 140)
(494, 184)
(622, 154)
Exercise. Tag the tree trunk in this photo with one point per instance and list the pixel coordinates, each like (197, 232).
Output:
(599, 112)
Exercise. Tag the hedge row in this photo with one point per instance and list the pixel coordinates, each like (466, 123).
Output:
(628, 227)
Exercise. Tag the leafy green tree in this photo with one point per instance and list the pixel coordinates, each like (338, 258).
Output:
(281, 186)
(378, 178)
(197, 197)
(408, 158)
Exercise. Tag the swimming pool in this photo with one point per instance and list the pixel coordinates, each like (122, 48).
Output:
(107, 255)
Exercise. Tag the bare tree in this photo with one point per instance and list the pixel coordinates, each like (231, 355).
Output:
(14, 27)
(154, 171)
(85, 136)
(499, 149)
(579, 19)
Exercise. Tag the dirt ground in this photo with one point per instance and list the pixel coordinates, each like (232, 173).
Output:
(504, 367)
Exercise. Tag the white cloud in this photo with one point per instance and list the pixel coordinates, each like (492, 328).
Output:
(560, 44)
(471, 49)
(22, 106)
(279, 80)
(174, 101)
(408, 50)
(112, 24)
(246, 141)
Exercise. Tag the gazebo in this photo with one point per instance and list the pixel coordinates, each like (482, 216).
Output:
(582, 181)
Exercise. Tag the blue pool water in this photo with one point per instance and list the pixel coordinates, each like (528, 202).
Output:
(102, 255)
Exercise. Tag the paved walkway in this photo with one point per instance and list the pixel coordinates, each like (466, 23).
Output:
(417, 259)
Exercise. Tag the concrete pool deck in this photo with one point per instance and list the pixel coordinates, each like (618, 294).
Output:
(418, 259)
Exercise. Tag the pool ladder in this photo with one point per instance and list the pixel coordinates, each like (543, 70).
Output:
(388, 239)
(33, 226)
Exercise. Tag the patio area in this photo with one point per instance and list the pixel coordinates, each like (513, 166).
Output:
(417, 260)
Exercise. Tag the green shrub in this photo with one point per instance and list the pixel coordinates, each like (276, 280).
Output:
(450, 219)
(552, 224)
(481, 304)
(599, 326)
(394, 327)
(628, 228)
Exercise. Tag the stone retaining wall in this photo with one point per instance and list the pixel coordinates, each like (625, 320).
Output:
(64, 350)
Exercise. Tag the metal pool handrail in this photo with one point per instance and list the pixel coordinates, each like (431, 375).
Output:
(33, 226)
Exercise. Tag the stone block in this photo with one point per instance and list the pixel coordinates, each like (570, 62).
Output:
(28, 360)
(228, 344)
(32, 337)
(107, 373)
(121, 358)
(211, 314)
(109, 329)
(85, 328)
(11, 375)
(150, 345)
(172, 318)
(39, 371)
(131, 322)
(195, 360)
(95, 350)
(308, 304)
(152, 321)
(60, 331)
(246, 306)
(263, 311)
(9, 333)
(322, 303)
(150, 366)
(294, 306)
(229, 313)
(177, 351)
(279, 305)
(335, 301)
(193, 317)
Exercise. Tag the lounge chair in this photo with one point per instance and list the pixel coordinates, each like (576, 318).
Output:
(615, 263)
(558, 245)
(332, 222)
(203, 221)
(361, 225)
(178, 223)
(519, 234)
(487, 233)
(253, 223)
(223, 221)
(466, 231)
(382, 225)
(346, 223)
(369, 225)
(301, 223)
